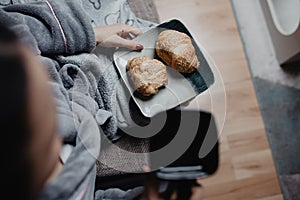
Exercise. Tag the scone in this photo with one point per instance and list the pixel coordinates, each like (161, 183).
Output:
(177, 51)
(147, 75)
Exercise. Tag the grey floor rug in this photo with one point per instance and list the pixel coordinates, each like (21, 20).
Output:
(278, 94)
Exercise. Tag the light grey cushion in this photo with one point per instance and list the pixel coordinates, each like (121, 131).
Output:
(144, 9)
(116, 158)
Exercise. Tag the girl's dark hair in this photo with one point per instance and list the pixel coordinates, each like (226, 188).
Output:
(15, 174)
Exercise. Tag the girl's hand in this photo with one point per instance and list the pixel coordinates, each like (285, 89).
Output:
(118, 35)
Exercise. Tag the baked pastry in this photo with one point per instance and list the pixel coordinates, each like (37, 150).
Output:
(147, 75)
(177, 51)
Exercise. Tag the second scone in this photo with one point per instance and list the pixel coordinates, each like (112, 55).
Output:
(177, 51)
(147, 75)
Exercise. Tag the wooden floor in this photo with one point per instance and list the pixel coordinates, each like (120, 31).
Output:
(246, 169)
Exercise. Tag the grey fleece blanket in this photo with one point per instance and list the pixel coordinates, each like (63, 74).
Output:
(85, 78)
(84, 84)
(96, 76)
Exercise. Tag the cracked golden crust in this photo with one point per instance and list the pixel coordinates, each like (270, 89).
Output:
(147, 75)
(177, 51)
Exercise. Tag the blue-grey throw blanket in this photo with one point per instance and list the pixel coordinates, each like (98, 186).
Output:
(84, 84)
